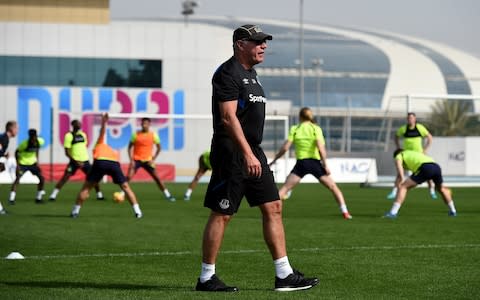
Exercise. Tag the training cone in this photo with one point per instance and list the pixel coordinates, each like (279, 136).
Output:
(15, 255)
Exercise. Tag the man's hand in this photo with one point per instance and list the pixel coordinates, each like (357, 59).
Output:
(104, 118)
(254, 168)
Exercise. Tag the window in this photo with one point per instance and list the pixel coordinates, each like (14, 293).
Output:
(77, 71)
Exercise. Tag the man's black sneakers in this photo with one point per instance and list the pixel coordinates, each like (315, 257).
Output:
(214, 284)
(294, 282)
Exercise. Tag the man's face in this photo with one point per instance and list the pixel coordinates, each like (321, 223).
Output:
(76, 125)
(411, 119)
(145, 125)
(253, 51)
(14, 130)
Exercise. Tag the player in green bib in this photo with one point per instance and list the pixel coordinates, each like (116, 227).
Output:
(423, 168)
(27, 158)
(203, 166)
(75, 144)
(413, 135)
(311, 158)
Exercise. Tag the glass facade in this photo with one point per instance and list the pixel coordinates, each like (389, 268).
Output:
(77, 71)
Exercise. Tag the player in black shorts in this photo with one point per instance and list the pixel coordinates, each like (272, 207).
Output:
(239, 166)
(75, 143)
(11, 130)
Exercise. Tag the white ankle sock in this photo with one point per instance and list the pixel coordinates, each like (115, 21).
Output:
(282, 267)
(136, 208)
(188, 193)
(208, 270)
(12, 196)
(395, 208)
(54, 193)
(76, 209)
(99, 195)
(167, 193)
(40, 194)
(451, 205)
(343, 208)
(1, 206)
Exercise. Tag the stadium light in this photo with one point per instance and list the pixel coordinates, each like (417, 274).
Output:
(188, 9)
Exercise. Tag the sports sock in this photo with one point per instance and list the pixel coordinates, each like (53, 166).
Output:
(451, 205)
(188, 193)
(54, 193)
(167, 193)
(40, 194)
(99, 195)
(1, 206)
(76, 209)
(208, 270)
(136, 208)
(432, 190)
(394, 190)
(395, 208)
(282, 267)
(12, 196)
(343, 208)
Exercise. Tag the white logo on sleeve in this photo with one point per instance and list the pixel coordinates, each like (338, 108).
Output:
(253, 98)
(245, 81)
(224, 204)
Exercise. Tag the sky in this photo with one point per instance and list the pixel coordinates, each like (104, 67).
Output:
(451, 22)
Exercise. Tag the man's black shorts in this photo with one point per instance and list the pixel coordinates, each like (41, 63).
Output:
(34, 169)
(73, 167)
(144, 164)
(309, 166)
(428, 171)
(101, 168)
(230, 183)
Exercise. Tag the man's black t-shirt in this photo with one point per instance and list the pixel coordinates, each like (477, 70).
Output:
(232, 82)
(3, 144)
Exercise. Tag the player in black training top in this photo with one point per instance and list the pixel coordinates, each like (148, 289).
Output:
(11, 130)
(239, 166)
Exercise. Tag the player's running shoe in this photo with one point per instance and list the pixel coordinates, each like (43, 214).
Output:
(186, 198)
(390, 216)
(3, 212)
(452, 213)
(214, 284)
(171, 199)
(295, 282)
(433, 195)
(73, 216)
(138, 216)
(347, 216)
(392, 195)
(11, 202)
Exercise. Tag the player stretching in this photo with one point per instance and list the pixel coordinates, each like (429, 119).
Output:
(11, 130)
(140, 153)
(311, 158)
(75, 144)
(413, 134)
(424, 168)
(203, 166)
(27, 157)
(105, 162)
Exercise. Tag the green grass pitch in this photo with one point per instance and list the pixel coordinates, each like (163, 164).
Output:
(108, 254)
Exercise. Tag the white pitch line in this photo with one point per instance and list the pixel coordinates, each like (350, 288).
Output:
(324, 249)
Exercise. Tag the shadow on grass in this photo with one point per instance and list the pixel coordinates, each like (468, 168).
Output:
(106, 286)
(93, 285)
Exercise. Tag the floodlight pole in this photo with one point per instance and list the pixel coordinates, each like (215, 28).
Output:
(301, 65)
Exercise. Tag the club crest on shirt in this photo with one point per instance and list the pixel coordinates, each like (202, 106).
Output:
(245, 81)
